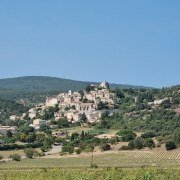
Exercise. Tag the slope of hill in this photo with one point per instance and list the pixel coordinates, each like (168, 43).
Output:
(26, 97)
(8, 108)
(43, 83)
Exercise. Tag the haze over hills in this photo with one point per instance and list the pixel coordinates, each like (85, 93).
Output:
(43, 83)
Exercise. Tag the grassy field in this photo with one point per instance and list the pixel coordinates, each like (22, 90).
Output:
(92, 174)
(90, 130)
(6, 154)
(125, 165)
(119, 159)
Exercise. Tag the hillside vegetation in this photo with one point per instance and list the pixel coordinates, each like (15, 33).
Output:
(42, 83)
(32, 90)
(26, 97)
(8, 108)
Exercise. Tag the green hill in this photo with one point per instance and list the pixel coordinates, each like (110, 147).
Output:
(43, 83)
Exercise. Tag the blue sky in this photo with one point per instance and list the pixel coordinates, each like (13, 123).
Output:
(127, 42)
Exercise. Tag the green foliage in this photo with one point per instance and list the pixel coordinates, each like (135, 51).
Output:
(126, 135)
(119, 93)
(105, 147)
(6, 147)
(1, 157)
(63, 123)
(170, 145)
(68, 149)
(149, 143)
(26, 129)
(29, 153)
(15, 157)
(9, 108)
(9, 134)
(102, 106)
(176, 137)
(105, 115)
(148, 135)
(78, 151)
(44, 127)
(97, 173)
(137, 143)
(83, 118)
(47, 144)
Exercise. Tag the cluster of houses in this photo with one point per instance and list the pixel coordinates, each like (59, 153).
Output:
(74, 104)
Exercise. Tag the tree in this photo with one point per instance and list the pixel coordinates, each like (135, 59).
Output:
(27, 129)
(105, 115)
(23, 137)
(74, 136)
(9, 134)
(40, 137)
(177, 137)
(82, 135)
(102, 106)
(149, 143)
(90, 149)
(170, 145)
(83, 117)
(62, 123)
(88, 88)
(126, 135)
(166, 104)
(68, 149)
(47, 144)
(31, 137)
(105, 147)
(148, 135)
(131, 145)
(119, 93)
(29, 153)
(138, 143)
(44, 127)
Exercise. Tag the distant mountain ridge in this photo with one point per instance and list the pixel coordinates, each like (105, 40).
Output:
(44, 83)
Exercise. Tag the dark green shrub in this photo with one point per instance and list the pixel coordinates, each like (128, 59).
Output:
(126, 135)
(170, 145)
(149, 143)
(78, 151)
(105, 147)
(148, 135)
(68, 149)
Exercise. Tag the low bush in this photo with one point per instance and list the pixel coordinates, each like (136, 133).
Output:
(105, 147)
(170, 145)
(124, 148)
(15, 157)
(29, 153)
(78, 151)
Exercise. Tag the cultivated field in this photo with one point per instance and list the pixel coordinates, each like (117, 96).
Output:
(107, 159)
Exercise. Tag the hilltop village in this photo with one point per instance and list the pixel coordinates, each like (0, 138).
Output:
(86, 105)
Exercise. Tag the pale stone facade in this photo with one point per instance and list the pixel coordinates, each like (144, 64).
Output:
(37, 123)
(4, 129)
(74, 104)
